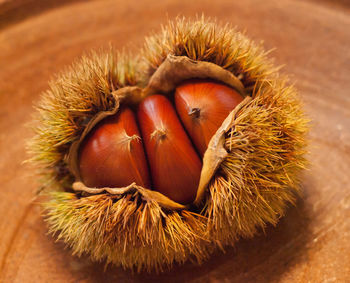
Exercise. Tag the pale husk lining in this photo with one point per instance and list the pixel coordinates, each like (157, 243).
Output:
(170, 73)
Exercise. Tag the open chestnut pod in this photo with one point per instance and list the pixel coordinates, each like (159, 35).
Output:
(168, 156)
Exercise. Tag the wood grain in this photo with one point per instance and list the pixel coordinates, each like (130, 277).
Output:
(310, 244)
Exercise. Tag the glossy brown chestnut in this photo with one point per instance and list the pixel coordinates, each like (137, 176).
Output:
(202, 106)
(174, 164)
(112, 155)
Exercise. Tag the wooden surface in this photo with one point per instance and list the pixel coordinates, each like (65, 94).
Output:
(311, 244)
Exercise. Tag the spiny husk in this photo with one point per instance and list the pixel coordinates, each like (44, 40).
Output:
(204, 40)
(252, 187)
(74, 98)
(127, 230)
(266, 141)
(259, 177)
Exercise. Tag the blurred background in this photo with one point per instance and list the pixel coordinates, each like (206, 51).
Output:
(312, 40)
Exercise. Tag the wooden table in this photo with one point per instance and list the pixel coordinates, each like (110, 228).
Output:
(310, 244)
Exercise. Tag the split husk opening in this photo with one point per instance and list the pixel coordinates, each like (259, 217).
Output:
(173, 71)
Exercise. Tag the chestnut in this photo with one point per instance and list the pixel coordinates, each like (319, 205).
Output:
(202, 106)
(112, 154)
(174, 164)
